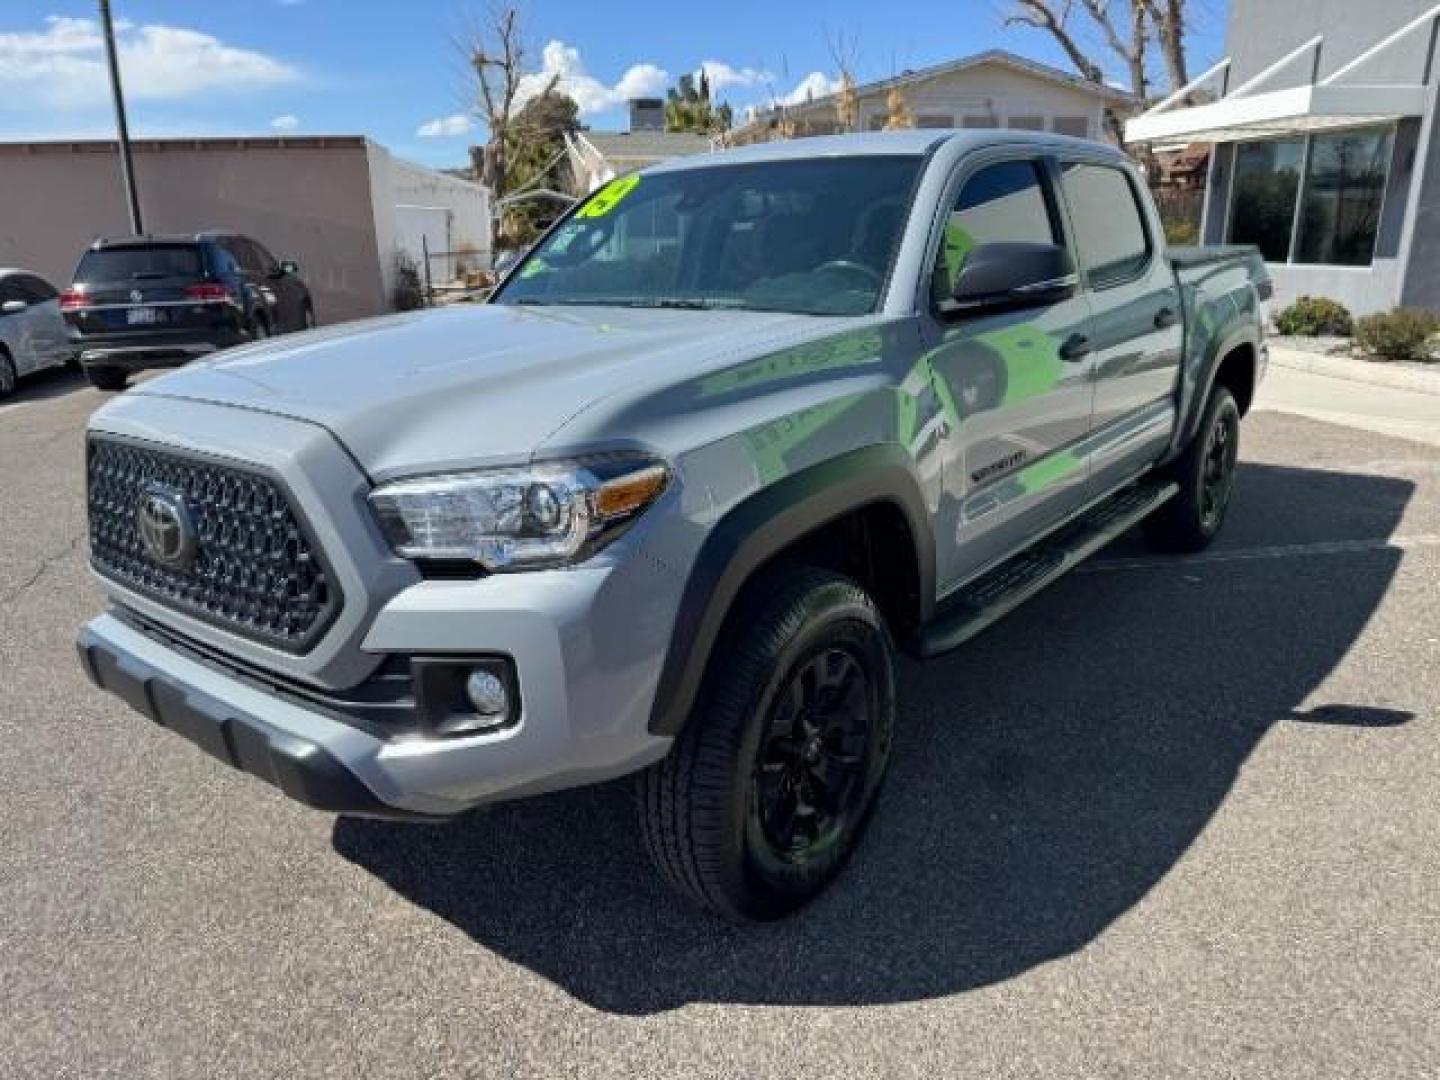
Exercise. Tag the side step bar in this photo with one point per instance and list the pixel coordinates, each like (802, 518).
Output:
(1003, 589)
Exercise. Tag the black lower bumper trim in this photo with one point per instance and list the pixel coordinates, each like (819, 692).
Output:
(303, 770)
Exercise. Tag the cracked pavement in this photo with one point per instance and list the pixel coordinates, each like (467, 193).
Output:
(1173, 818)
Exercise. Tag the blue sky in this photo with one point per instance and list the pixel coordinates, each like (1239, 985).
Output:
(391, 70)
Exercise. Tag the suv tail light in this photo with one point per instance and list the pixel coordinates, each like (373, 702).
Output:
(71, 299)
(207, 292)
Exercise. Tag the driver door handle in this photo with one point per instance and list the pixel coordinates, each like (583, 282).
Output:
(1075, 348)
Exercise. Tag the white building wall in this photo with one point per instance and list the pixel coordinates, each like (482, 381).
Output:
(410, 201)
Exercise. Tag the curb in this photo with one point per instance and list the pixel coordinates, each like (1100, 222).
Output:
(1375, 373)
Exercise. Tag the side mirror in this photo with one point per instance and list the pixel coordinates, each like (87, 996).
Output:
(287, 268)
(1007, 276)
(13, 307)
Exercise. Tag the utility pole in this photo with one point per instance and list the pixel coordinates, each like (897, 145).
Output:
(127, 166)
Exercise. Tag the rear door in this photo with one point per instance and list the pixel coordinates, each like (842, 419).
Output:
(1136, 319)
(46, 323)
(17, 330)
(256, 266)
(140, 289)
(1018, 409)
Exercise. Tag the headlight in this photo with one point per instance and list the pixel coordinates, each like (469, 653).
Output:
(516, 519)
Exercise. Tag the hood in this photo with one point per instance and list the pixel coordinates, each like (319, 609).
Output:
(468, 386)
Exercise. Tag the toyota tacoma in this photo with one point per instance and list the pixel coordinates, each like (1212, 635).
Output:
(736, 430)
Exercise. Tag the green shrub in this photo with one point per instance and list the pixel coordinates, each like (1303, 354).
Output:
(1315, 316)
(1400, 334)
(1180, 233)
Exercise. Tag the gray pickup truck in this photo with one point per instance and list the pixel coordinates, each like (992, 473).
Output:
(735, 430)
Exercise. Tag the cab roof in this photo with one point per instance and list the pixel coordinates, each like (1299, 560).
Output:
(912, 142)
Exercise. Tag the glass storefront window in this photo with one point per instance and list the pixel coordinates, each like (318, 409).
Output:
(1340, 198)
(1267, 180)
(1344, 189)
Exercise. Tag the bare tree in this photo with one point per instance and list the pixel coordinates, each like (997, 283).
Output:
(844, 54)
(495, 53)
(1126, 27)
(1168, 18)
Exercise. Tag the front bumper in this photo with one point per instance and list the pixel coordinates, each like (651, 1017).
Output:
(302, 768)
(583, 655)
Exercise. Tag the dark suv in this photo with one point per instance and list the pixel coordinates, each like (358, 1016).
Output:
(141, 302)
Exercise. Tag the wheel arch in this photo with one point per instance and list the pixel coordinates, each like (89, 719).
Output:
(1236, 356)
(870, 494)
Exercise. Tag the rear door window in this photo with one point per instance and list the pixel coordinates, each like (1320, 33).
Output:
(35, 290)
(1110, 232)
(150, 263)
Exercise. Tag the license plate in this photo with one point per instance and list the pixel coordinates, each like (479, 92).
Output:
(142, 316)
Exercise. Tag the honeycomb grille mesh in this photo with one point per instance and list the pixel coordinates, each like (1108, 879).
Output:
(255, 571)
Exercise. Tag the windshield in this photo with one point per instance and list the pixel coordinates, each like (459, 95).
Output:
(134, 263)
(813, 237)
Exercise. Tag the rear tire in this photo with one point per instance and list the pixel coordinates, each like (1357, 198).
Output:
(8, 378)
(1206, 475)
(259, 329)
(307, 319)
(768, 788)
(107, 378)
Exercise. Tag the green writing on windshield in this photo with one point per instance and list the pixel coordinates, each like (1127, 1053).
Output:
(608, 197)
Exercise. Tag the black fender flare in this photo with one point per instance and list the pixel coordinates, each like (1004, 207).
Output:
(764, 524)
(1194, 408)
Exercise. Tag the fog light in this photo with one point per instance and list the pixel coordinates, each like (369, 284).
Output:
(487, 693)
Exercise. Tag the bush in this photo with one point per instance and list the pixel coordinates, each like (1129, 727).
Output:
(1181, 233)
(1400, 334)
(1315, 316)
(408, 293)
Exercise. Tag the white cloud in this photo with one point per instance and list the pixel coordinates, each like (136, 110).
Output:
(722, 76)
(63, 66)
(815, 85)
(445, 127)
(288, 122)
(562, 63)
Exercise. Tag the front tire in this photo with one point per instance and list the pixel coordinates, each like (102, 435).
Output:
(1206, 474)
(8, 379)
(769, 786)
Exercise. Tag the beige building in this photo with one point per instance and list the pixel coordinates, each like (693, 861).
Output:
(340, 206)
(994, 89)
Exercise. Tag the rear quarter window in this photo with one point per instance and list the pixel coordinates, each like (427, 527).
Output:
(140, 263)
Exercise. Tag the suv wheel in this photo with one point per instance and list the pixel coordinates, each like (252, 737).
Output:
(307, 321)
(768, 788)
(259, 329)
(106, 378)
(7, 374)
(1206, 475)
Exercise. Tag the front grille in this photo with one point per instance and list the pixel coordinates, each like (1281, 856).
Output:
(254, 570)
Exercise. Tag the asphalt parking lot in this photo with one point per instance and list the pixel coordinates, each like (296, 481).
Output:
(1173, 818)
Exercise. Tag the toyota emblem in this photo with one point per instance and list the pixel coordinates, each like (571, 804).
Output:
(167, 532)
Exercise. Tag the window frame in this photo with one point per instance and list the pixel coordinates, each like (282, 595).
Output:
(967, 169)
(1143, 269)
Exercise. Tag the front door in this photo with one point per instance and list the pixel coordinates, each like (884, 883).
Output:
(1017, 407)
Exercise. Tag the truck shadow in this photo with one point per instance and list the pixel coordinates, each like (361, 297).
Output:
(1046, 777)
